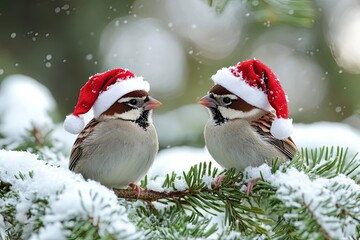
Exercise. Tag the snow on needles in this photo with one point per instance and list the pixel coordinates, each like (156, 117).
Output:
(68, 195)
(320, 196)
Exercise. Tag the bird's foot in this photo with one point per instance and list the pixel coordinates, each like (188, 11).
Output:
(136, 188)
(217, 182)
(250, 186)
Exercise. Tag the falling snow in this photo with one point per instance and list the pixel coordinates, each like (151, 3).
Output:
(65, 7)
(89, 57)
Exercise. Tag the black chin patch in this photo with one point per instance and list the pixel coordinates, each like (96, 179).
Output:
(143, 120)
(217, 116)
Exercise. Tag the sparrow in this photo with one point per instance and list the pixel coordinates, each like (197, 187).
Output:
(239, 134)
(118, 146)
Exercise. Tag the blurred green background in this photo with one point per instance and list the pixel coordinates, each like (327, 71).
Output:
(312, 46)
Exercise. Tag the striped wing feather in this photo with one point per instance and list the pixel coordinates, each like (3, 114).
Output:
(262, 126)
(76, 152)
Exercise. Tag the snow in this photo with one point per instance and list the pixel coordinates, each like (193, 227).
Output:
(208, 180)
(296, 189)
(327, 134)
(49, 231)
(251, 173)
(179, 160)
(68, 194)
(2, 227)
(156, 185)
(180, 184)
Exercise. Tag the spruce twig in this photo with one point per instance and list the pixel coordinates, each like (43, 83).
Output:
(324, 233)
(150, 195)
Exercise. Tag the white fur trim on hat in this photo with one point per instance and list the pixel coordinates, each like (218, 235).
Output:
(74, 124)
(281, 128)
(238, 86)
(117, 90)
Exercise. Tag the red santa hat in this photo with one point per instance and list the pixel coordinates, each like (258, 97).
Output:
(100, 92)
(254, 82)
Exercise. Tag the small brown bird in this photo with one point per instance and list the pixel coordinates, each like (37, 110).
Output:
(118, 146)
(249, 122)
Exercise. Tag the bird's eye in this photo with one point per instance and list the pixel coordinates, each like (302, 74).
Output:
(133, 102)
(226, 100)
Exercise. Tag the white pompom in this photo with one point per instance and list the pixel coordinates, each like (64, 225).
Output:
(281, 128)
(74, 124)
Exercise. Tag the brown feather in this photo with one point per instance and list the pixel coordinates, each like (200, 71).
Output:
(238, 104)
(76, 151)
(219, 90)
(137, 93)
(120, 108)
(263, 125)
(241, 105)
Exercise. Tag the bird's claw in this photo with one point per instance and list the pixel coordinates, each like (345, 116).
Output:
(218, 180)
(250, 186)
(136, 188)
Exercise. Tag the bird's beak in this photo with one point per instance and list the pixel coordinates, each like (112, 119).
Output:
(151, 104)
(208, 102)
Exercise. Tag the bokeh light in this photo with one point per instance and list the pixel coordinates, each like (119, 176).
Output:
(147, 48)
(305, 89)
(344, 35)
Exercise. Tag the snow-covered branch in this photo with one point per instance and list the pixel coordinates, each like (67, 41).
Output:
(150, 195)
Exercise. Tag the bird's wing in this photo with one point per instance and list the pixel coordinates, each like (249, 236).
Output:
(262, 127)
(77, 150)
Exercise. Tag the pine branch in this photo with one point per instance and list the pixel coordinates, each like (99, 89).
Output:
(170, 223)
(243, 213)
(206, 197)
(322, 230)
(150, 195)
